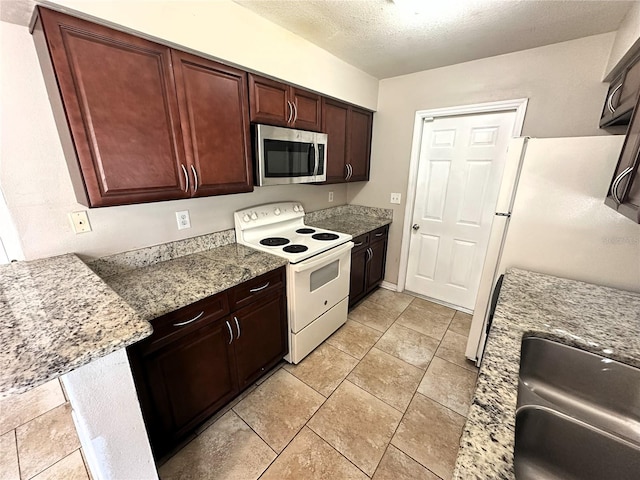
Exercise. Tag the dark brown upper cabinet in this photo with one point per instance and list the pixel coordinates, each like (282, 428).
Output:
(349, 143)
(276, 103)
(131, 134)
(215, 125)
(624, 190)
(622, 95)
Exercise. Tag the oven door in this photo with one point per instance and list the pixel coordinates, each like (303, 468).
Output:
(289, 156)
(317, 284)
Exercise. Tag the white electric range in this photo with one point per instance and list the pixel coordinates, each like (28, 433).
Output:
(317, 275)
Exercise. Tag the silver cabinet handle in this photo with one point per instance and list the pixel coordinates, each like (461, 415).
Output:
(357, 244)
(181, 324)
(195, 179)
(237, 326)
(379, 234)
(369, 254)
(186, 178)
(290, 112)
(230, 332)
(610, 99)
(295, 112)
(346, 175)
(614, 189)
(349, 171)
(415, 226)
(371, 250)
(254, 290)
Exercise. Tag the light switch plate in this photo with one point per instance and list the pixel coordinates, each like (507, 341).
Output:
(330, 196)
(80, 222)
(395, 198)
(183, 219)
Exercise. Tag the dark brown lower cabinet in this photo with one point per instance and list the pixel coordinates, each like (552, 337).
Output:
(368, 259)
(262, 340)
(203, 355)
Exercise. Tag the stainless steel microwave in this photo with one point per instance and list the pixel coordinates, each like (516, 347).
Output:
(286, 155)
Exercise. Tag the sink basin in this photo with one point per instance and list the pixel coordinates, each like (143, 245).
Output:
(597, 390)
(551, 445)
(578, 414)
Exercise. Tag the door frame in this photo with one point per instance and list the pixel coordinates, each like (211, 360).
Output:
(519, 105)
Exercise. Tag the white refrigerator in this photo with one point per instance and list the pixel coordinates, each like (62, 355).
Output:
(551, 218)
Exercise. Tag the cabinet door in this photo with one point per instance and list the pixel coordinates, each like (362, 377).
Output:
(307, 109)
(121, 110)
(268, 101)
(375, 267)
(358, 281)
(261, 337)
(215, 125)
(187, 381)
(622, 96)
(624, 192)
(359, 144)
(334, 124)
(619, 195)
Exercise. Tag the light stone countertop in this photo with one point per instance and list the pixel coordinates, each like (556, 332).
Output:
(598, 319)
(351, 223)
(167, 286)
(56, 315)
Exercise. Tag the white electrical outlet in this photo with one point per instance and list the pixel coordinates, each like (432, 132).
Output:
(183, 219)
(80, 222)
(330, 196)
(395, 198)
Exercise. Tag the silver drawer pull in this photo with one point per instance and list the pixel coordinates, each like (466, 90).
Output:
(230, 332)
(357, 244)
(195, 179)
(254, 290)
(181, 324)
(379, 234)
(186, 178)
(610, 99)
(237, 326)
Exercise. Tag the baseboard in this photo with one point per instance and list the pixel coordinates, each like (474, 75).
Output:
(389, 286)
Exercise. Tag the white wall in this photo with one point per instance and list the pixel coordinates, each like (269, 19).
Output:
(33, 172)
(626, 36)
(561, 81)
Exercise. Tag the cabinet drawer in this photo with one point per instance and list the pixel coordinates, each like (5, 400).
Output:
(256, 288)
(361, 241)
(378, 233)
(174, 325)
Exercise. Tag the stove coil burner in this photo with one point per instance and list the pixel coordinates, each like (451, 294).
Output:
(274, 241)
(295, 248)
(305, 230)
(325, 236)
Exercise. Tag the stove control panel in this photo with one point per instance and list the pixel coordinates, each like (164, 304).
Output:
(262, 215)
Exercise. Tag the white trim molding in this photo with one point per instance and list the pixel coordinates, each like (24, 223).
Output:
(519, 105)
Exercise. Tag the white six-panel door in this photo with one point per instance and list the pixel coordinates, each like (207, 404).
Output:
(462, 159)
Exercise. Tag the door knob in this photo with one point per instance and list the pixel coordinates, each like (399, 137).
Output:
(415, 226)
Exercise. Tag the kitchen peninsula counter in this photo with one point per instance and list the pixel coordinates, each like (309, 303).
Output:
(57, 315)
(597, 319)
(164, 287)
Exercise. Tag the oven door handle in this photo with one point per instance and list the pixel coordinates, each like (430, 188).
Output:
(322, 258)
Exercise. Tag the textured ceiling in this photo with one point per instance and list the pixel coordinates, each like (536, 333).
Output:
(386, 40)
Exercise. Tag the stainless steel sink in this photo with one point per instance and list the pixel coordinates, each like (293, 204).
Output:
(551, 445)
(578, 414)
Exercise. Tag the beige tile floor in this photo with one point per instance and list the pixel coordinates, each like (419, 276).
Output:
(38, 439)
(385, 397)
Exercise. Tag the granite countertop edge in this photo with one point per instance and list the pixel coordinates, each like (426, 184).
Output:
(558, 309)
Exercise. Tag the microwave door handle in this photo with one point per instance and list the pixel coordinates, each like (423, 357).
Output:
(316, 157)
(312, 155)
